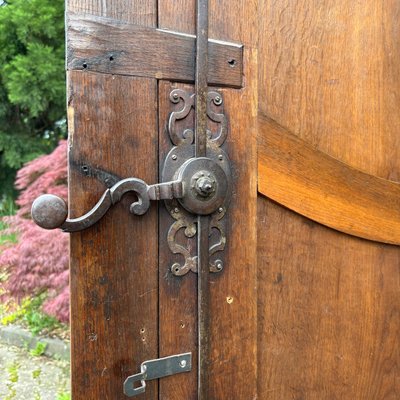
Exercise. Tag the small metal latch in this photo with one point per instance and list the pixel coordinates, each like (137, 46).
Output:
(155, 369)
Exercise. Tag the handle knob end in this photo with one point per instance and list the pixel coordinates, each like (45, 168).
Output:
(49, 211)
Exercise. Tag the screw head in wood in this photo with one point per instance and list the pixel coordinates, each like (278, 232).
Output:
(218, 100)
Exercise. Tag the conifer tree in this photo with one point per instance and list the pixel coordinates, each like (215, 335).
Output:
(32, 83)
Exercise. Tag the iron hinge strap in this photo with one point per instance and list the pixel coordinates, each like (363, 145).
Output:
(155, 369)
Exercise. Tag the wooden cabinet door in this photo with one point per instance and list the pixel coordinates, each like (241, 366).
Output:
(307, 304)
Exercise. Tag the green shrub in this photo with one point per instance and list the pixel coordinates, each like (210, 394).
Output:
(29, 314)
(39, 349)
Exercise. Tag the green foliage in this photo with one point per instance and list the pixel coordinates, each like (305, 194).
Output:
(32, 83)
(63, 396)
(7, 207)
(38, 350)
(6, 238)
(30, 315)
(13, 377)
(36, 374)
(12, 370)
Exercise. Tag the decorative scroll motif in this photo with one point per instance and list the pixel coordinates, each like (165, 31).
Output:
(218, 139)
(216, 224)
(183, 139)
(183, 219)
(187, 136)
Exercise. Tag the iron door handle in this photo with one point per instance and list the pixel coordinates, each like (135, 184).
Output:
(200, 185)
(50, 211)
(191, 186)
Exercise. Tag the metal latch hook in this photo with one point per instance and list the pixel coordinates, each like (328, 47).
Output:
(155, 369)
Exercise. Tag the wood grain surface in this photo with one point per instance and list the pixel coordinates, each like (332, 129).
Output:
(326, 190)
(329, 307)
(233, 334)
(328, 302)
(114, 277)
(329, 72)
(114, 46)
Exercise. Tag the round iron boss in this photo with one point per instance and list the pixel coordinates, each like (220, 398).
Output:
(205, 185)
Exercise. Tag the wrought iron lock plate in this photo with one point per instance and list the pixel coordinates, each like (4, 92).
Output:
(155, 369)
(183, 150)
(190, 186)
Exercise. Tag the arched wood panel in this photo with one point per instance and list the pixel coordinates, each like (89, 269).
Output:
(329, 303)
(324, 189)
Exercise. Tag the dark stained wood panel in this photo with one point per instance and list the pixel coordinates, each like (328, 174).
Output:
(114, 283)
(116, 47)
(328, 311)
(113, 273)
(234, 331)
(178, 295)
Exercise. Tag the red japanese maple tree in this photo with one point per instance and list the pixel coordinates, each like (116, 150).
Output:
(39, 260)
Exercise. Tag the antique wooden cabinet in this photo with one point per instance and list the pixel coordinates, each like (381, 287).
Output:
(301, 300)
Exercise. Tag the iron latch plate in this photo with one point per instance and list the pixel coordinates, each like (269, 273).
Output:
(155, 369)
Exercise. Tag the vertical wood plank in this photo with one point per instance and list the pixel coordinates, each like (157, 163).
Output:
(233, 334)
(178, 298)
(139, 12)
(114, 283)
(178, 15)
(233, 292)
(329, 303)
(328, 311)
(329, 72)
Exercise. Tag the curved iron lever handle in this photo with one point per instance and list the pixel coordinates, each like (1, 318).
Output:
(50, 212)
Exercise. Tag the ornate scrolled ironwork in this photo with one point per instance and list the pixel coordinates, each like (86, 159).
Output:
(183, 139)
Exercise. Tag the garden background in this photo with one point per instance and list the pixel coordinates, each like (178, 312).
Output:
(34, 289)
